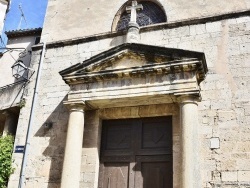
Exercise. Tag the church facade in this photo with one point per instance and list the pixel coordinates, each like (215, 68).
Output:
(138, 94)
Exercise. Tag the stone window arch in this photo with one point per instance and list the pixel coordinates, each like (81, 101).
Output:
(152, 13)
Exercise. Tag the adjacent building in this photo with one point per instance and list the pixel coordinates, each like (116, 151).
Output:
(18, 49)
(4, 7)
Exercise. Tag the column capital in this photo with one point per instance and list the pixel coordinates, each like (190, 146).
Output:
(75, 105)
(188, 99)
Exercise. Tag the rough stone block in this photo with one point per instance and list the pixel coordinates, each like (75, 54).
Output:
(226, 115)
(84, 160)
(192, 30)
(213, 27)
(243, 19)
(243, 164)
(239, 155)
(88, 177)
(245, 48)
(216, 175)
(91, 160)
(207, 131)
(244, 176)
(204, 105)
(87, 184)
(221, 104)
(228, 146)
(229, 176)
(88, 168)
(243, 146)
(13, 184)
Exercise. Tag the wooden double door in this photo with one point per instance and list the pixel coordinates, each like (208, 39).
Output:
(136, 153)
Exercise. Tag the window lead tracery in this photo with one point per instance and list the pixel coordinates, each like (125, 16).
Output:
(151, 14)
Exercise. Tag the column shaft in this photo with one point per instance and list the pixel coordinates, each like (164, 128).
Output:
(73, 149)
(190, 140)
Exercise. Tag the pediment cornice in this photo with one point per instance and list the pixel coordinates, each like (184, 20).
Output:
(135, 60)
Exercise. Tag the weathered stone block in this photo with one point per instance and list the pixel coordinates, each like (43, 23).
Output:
(243, 146)
(216, 175)
(244, 176)
(88, 177)
(207, 131)
(88, 168)
(213, 27)
(243, 164)
(229, 176)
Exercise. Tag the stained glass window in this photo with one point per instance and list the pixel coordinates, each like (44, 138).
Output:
(150, 14)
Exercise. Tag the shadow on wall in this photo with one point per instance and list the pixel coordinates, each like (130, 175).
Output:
(51, 163)
(54, 151)
(118, 40)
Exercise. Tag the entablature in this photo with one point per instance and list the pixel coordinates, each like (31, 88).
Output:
(139, 74)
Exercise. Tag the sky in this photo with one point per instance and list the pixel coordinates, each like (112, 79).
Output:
(34, 12)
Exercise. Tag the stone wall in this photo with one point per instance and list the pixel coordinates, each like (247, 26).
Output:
(11, 95)
(224, 111)
(95, 17)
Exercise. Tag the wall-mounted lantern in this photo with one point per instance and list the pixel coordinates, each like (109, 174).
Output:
(19, 69)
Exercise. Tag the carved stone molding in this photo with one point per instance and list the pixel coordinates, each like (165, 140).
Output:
(119, 62)
(75, 105)
(189, 99)
(170, 67)
(132, 74)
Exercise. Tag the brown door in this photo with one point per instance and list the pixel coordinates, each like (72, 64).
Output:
(136, 153)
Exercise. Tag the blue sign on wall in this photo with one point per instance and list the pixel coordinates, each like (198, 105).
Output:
(19, 149)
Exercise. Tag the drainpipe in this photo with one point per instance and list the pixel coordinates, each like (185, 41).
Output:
(27, 142)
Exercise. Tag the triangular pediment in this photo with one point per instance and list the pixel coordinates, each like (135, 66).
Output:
(134, 59)
(121, 61)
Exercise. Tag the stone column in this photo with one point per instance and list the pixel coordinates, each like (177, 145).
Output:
(189, 140)
(73, 148)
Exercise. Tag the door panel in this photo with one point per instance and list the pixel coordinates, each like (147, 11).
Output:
(136, 153)
(156, 174)
(154, 170)
(156, 137)
(117, 138)
(115, 175)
